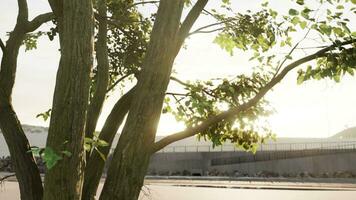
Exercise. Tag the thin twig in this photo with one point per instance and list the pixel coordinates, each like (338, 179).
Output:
(296, 45)
(141, 3)
(117, 82)
(176, 94)
(6, 177)
(198, 30)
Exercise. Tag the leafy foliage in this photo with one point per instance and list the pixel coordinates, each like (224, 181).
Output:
(206, 99)
(334, 66)
(128, 37)
(91, 144)
(245, 31)
(49, 156)
(30, 40)
(334, 27)
(263, 33)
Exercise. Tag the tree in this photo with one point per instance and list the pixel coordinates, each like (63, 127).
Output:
(126, 51)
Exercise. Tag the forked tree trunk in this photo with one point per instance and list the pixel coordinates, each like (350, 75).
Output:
(66, 132)
(130, 160)
(95, 163)
(25, 166)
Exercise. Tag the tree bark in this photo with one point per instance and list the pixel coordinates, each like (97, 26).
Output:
(131, 157)
(25, 166)
(70, 102)
(95, 164)
(102, 76)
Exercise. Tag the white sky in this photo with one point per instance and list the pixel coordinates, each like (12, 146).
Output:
(313, 109)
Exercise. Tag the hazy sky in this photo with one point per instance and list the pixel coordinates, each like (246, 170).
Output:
(313, 109)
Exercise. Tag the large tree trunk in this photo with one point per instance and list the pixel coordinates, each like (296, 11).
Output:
(26, 169)
(130, 160)
(70, 102)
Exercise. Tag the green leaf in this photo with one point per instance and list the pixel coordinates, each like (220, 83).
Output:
(325, 29)
(102, 143)
(35, 151)
(300, 79)
(225, 42)
(337, 78)
(350, 71)
(300, 2)
(338, 31)
(50, 157)
(88, 140)
(45, 115)
(303, 24)
(295, 20)
(293, 12)
(87, 147)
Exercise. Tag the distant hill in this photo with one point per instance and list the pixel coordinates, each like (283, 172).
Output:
(349, 133)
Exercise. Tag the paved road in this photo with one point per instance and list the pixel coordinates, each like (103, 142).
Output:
(213, 190)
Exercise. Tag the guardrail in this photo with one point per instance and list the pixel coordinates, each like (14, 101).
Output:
(264, 147)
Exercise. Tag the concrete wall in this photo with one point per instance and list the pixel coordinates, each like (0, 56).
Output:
(201, 161)
(312, 164)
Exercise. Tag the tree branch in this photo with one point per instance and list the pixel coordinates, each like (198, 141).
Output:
(176, 94)
(6, 177)
(188, 86)
(180, 81)
(39, 20)
(198, 30)
(102, 81)
(2, 46)
(141, 3)
(95, 164)
(208, 31)
(117, 82)
(233, 111)
(22, 16)
(188, 22)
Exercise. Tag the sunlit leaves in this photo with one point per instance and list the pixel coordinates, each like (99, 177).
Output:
(333, 66)
(93, 144)
(247, 31)
(226, 42)
(206, 99)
